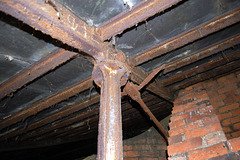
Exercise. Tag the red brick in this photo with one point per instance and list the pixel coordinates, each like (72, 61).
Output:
(218, 98)
(229, 94)
(224, 115)
(140, 141)
(203, 97)
(210, 120)
(236, 126)
(177, 109)
(212, 94)
(178, 157)
(215, 137)
(127, 147)
(148, 153)
(175, 118)
(235, 119)
(206, 108)
(142, 147)
(185, 146)
(183, 129)
(228, 107)
(177, 123)
(200, 116)
(160, 147)
(222, 79)
(236, 112)
(226, 89)
(231, 76)
(228, 136)
(198, 85)
(190, 108)
(212, 83)
(210, 152)
(234, 144)
(237, 98)
(175, 139)
(203, 130)
(227, 129)
(228, 101)
(226, 122)
(227, 83)
(235, 134)
(189, 88)
(149, 158)
(217, 104)
(131, 154)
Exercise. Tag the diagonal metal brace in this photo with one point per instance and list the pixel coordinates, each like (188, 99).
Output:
(133, 91)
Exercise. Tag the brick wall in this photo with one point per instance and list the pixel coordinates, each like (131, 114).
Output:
(197, 127)
(146, 146)
(224, 96)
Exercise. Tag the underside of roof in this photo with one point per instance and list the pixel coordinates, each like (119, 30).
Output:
(49, 103)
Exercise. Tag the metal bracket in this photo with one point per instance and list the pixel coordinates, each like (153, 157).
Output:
(133, 91)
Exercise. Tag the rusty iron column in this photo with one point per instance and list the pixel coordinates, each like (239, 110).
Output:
(110, 75)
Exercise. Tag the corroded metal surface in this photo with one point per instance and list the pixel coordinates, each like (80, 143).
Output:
(202, 68)
(198, 32)
(138, 76)
(56, 21)
(224, 44)
(133, 16)
(108, 75)
(56, 116)
(133, 91)
(45, 103)
(46, 64)
(151, 76)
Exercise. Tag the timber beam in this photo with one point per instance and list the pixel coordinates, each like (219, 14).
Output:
(187, 37)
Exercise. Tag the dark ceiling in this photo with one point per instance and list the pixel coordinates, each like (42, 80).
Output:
(49, 103)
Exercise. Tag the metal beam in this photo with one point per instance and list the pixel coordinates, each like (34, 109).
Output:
(45, 103)
(133, 16)
(216, 72)
(37, 69)
(202, 68)
(58, 115)
(56, 21)
(70, 124)
(133, 91)
(213, 49)
(138, 76)
(184, 38)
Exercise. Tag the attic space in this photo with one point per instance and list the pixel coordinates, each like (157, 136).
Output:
(120, 79)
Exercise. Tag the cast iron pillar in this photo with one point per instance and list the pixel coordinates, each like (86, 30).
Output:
(110, 75)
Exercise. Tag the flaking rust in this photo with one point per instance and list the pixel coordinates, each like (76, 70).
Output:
(110, 75)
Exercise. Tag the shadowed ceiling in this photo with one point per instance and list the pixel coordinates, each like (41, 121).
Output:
(49, 103)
